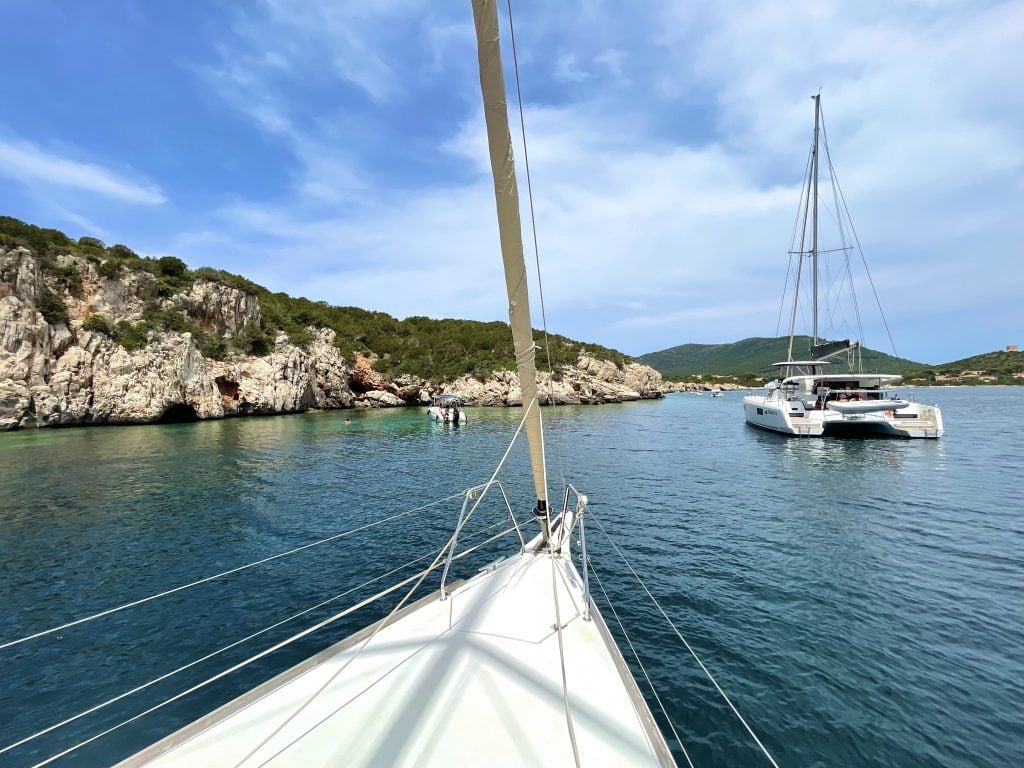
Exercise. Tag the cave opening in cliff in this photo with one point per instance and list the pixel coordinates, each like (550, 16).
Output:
(178, 414)
(228, 388)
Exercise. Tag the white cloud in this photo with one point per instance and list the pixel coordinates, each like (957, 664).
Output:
(664, 209)
(26, 163)
(568, 70)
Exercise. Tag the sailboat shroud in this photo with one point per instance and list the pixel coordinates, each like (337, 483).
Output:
(809, 401)
(513, 667)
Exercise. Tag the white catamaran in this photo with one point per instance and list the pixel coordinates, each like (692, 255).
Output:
(806, 399)
(512, 666)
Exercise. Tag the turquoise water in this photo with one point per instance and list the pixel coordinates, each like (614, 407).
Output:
(861, 601)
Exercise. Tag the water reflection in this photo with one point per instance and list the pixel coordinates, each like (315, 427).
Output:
(837, 585)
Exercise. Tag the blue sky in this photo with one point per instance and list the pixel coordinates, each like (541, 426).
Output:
(336, 150)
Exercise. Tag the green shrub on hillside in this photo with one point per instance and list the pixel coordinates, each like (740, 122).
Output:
(45, 244)
(213, 346)
(123, 252)
(253, 339)
(110, 268)
(130, 336)
(53, 308)
(169, 266)
(98, 323)
(69, 277)
(168, 319)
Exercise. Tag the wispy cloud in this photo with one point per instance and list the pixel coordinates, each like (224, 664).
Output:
(675, 195)
(568, 70)
(27, 164)
(666, 142)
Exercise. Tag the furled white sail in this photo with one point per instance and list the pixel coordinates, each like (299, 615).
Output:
(506, 193)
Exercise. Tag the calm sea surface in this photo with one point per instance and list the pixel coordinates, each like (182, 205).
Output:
(861, 601)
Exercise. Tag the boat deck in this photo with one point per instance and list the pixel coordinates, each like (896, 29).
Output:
(475, 679)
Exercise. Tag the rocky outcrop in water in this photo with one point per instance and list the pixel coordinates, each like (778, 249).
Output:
(699, 386)
(590, 382)
(73, 371)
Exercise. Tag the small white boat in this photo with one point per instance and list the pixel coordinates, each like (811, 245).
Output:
(447, 408)
(716, 393)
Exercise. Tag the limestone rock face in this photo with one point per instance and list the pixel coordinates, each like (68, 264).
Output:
(288, 380)
(331, 388)
(218, 308)
(124, 297)
(98, 382)
(363, 377)
(28, 344)
(20, 276)
(55, 375)
(643, 379)
(380, 399)
(699, 386)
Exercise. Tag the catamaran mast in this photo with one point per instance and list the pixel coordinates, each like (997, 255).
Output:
(814, 230)
(506, 193)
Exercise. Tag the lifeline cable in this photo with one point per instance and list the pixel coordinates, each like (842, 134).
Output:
(693, 653)
(622, 628)
(234, 644)
(237, 569)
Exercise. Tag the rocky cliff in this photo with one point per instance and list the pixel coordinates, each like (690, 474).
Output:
(76, 365)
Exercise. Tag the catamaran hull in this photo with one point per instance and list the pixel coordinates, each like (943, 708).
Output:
(911, 421)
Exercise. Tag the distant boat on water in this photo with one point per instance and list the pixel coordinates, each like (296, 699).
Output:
(447, 408)
(805, 400)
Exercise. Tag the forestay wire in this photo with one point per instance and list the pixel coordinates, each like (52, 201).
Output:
(689, 648)
(533, 230)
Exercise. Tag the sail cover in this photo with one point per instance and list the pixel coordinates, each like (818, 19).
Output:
(506, 193)
(829, 348)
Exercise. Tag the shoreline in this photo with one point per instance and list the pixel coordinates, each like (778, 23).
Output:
(306, 411)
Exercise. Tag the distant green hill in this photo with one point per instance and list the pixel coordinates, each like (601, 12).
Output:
(994, 363)
(754, 355)
(1000, 365)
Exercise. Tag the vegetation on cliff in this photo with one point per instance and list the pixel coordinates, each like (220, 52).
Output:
(432, 349)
